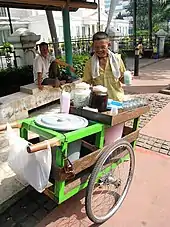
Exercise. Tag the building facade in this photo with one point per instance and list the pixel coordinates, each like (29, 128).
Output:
(84, 23)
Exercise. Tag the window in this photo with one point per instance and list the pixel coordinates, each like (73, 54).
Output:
(101, 27)
(78, 31)
(93, 29)
(89, 30)
(3, 12)
(83, 31)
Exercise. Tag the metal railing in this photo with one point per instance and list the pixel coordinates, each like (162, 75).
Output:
(84, 45)
(6, 61)
(80, 46)
(7, 58)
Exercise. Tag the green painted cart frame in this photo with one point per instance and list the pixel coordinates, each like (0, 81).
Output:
(68, 181)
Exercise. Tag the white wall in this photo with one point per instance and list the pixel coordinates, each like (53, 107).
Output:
(39, 25)
(40, 28)
(121, 25)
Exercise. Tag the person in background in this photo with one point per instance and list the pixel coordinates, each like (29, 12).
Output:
(105, 68)
(140, 47)
(46, 68)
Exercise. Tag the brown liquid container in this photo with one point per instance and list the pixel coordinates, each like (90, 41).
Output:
(98, 100)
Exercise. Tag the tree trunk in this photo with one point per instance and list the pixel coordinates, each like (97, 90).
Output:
(53, 32)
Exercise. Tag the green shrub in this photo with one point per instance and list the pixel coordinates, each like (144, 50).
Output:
(12, 78)
(79, 62)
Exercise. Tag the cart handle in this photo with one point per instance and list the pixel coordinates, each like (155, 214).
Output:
(54, 142)
(14, 124)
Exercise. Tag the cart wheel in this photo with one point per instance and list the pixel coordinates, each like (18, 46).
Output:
(109, 181)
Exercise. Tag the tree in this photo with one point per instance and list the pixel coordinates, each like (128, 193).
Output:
(160, 13)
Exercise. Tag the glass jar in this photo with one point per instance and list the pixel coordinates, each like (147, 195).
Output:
(99, 99)
(81, 95)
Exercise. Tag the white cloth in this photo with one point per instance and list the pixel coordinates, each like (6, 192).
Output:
(114, 63)
(41, 65)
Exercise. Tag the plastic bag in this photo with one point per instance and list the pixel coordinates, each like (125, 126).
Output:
(33, 168)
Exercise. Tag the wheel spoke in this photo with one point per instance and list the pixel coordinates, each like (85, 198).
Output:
(109, 181)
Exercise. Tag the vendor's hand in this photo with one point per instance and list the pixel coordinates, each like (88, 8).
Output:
(72, 69)
(62, 82)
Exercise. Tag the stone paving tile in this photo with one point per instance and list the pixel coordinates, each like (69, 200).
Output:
(28, 211)
(154, 144)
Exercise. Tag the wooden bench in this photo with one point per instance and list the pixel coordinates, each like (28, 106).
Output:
(33, 89)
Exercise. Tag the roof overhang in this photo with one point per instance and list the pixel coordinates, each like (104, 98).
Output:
(56, 5)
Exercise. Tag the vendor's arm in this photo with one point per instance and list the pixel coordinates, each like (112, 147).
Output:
(87, 76)
(62, 63)
(122, 68)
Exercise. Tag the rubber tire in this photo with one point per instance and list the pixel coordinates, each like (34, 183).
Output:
(106, 152)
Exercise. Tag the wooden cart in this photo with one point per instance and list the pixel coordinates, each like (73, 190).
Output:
(98, 168)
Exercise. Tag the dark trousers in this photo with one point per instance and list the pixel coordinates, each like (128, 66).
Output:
(54, 75)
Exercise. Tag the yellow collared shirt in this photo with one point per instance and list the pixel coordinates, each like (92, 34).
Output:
(106, 79)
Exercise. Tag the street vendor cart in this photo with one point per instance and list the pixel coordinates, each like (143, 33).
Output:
(105, 171)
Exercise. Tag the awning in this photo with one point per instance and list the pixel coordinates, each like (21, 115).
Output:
(56, 5)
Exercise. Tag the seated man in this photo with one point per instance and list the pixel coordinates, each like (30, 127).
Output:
(45, 68)
(105, 68)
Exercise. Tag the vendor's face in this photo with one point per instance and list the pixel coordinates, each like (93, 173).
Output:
(44, 50)
(101, 47)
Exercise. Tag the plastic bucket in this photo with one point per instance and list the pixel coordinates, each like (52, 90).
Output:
(114, 133)
(73, 150)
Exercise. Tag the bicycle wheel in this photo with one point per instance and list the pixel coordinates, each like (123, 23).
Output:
(107, 188)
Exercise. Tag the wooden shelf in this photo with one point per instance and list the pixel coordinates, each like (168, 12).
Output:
(108, 119)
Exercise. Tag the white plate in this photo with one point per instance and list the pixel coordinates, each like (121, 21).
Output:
(61, 121)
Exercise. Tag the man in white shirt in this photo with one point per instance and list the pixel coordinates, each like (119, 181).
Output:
(45, 68)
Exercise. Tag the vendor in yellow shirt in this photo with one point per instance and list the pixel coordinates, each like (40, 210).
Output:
(105, 68)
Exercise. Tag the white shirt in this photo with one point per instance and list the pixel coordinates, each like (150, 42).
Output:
(41, 65)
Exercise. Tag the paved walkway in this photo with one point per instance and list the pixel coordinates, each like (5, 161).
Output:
(159, 126)
(145, 205)
(142, 62)
(152, 78)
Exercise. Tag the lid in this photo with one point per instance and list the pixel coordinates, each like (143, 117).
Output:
(61, 121)
(82, 86)
(99, 89)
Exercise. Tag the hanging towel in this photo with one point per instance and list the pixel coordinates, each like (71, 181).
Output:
(114, 63)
